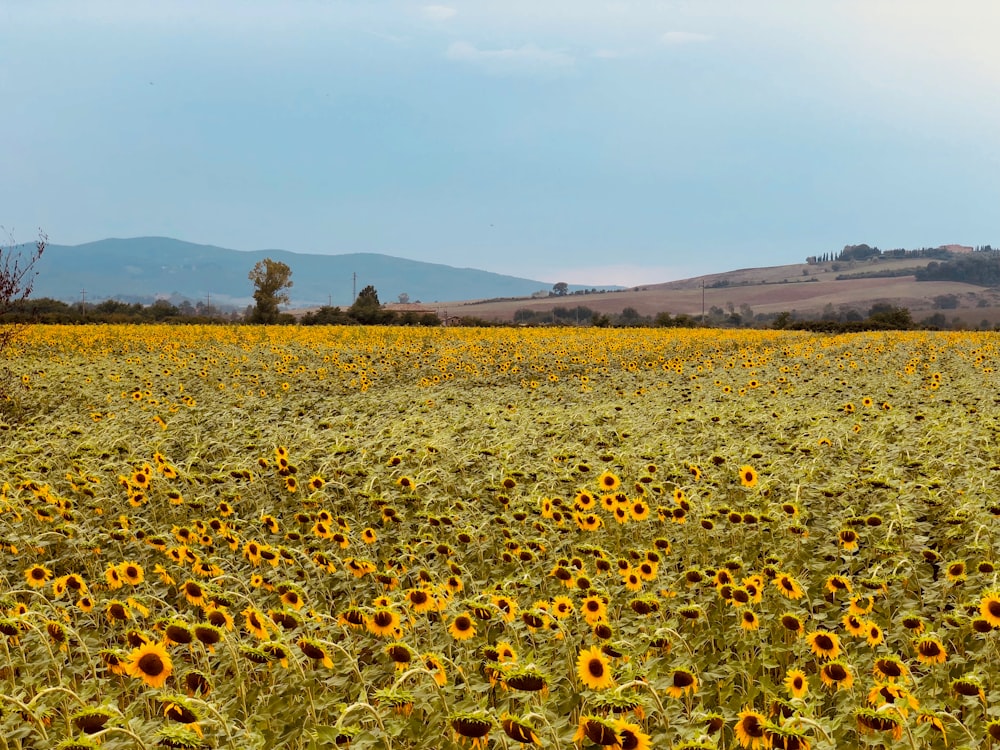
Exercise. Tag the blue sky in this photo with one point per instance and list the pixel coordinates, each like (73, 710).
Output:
(562, 140)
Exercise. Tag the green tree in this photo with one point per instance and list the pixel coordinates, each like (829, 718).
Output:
(367, 310)
(270, 279)
(560, 289)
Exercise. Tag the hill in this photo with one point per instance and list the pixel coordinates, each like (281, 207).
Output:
(143, 269)
(810, 290)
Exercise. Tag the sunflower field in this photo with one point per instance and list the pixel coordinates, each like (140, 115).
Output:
(280, 537)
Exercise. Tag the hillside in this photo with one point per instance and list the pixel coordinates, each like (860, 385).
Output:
(808, 290)
(145, 268)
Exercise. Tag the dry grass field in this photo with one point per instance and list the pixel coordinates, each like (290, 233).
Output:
(805, 289)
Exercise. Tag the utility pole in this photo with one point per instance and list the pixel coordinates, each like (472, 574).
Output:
(354, 287)
(208, 312)
(83, 303)
(703, 302)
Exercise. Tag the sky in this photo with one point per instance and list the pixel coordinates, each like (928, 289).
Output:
(586, 141)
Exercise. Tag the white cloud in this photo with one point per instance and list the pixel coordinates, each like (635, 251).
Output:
(438, 12)
(526, 58)
(684, 37)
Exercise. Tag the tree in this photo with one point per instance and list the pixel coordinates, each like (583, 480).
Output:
(367, 310)
(404, 298)
(560, 288)
(17, 277)
(270, 279)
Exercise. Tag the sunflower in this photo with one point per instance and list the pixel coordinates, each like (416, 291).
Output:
(562, 607)
(989, 608)
(792, 623)
(796, 683)
(193, 592)
(584, 500)
(594, 609)
(117, 611)
(837, 675)
(873, 722)
(855, 625)
(608, 482)
(639, 510)
(37, 576)
(401, 654)
(315, 651)
(505, 653)
(593, 669)
(208, 635)
(848, 539)
(682, 682)
(519, 730)
(462, 627)
(930, 650)
(788, 586)
(256, 623)
(292, 598)
(434, 664)
(873, 633)
(506, 605)
(749, 620)
(383, 622)
(420, 600)
(955, 571)
(750, 727)
(889, 668)
(599, 731)
(73, 583)
(861, 604)
(472, 726)
(837, 583)
(131, 573)
(913, 622)
(748, 476)
(151, 663)
(824, 644)
(631, 735)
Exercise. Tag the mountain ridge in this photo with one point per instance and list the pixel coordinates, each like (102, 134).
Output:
(142, 269)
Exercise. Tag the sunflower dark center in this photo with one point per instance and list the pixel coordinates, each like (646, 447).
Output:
(889, 668)
(207, 636)
(151, 665)
(595, 667)
(752, 727)
(836, 672)
(683, 679)
(463, 623)
(993, 607)
(929, 648)
(824, 642)
(38, 574)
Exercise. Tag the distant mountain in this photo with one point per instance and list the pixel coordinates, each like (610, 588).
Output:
(145, 268)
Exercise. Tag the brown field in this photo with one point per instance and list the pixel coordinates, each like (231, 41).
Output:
(800, 288)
